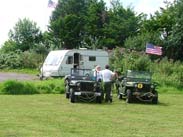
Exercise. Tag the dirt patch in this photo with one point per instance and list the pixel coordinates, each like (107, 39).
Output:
(16, 76)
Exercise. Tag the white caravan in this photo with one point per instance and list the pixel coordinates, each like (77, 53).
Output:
(59, 62)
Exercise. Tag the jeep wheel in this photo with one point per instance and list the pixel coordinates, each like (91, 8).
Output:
(99, 99)
(120, 96)
(155, 99)
(72, 96)
(67, 93)
(129, 97)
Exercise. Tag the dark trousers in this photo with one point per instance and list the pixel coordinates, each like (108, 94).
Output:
(107, 90)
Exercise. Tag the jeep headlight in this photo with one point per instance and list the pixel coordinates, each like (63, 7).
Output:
(135, 85)
(140, 85)
(78, 84)
(152, 86)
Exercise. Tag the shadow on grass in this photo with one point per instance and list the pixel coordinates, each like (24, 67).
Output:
(163, 104)
(149, 103)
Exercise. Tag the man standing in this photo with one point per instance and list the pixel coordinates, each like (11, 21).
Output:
(107, 76)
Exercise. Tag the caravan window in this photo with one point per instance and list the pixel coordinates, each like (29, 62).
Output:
(53, 60)
(69, 60)
(92, 58)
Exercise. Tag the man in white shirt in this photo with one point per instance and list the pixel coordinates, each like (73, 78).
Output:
(107, 76)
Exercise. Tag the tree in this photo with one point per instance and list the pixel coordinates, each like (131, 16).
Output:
(67, 23)
(25, 34)
(96, 18)
(157, 30)
(122, 24)
(176, 37)
(9, 46)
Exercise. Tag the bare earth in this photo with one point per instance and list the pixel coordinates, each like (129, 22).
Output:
(16, 76)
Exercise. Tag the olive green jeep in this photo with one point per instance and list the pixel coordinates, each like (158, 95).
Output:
(137, 85)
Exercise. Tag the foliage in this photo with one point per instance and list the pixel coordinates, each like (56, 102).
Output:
(122, 24)
(31, 59)
(15, 88)
(76, 24)
(176, 38)
(10, 60)
(19, 60)
(124, 60)
(139, 41)
(89, 23)
(51, 86)
(96, 18)
(9, 46)
(166, 72)
(25, 34)
(67, 23)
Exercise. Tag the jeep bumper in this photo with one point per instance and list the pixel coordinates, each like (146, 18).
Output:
(89, 93)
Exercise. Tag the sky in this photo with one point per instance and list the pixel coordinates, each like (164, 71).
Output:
(38, 11)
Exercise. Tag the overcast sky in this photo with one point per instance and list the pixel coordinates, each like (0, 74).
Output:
(37, 10)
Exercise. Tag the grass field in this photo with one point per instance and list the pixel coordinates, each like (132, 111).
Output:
(51, 115)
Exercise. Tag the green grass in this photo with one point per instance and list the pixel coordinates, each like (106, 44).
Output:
(26, 71)
(51, 115)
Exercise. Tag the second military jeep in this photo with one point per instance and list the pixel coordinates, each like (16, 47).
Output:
(81, 85)
(137, 85)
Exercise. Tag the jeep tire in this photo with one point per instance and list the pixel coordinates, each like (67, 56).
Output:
(155, 99)
(72, 96)
(99, 99)
(67, 92)
(120, 96)
(129, 97)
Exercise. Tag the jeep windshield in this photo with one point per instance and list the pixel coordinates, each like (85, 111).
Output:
(138, 76)
(81, 74)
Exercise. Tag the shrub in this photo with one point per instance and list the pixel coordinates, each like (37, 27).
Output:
(55, 86)
(130, 60)
(18, 59)
(16, 88)
(31, 59)
(10, 60)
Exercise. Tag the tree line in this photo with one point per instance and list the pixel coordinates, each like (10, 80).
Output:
(93, 25)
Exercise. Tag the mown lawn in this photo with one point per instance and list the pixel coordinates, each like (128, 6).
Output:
(52, 115)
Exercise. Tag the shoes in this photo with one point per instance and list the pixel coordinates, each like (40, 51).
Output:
(108, 101)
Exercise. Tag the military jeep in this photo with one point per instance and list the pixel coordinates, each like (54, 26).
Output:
(81, 85)
(137, 86)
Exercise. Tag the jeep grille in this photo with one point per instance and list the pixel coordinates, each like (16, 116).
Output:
(85, 86)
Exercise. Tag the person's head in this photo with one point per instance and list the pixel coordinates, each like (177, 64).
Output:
(106, 66)
(97, 68)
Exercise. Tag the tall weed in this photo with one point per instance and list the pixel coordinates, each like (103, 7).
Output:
(16, 88)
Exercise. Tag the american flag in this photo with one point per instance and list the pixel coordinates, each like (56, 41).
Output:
(152, 49)
(51, 4)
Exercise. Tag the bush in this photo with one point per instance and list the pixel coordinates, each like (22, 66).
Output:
(168, 73)
(51, 86)
(55, 86)
(10, 60)
(130, 60)
(17, 88)
(31, 59)
(19, 59)
(165, 71)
